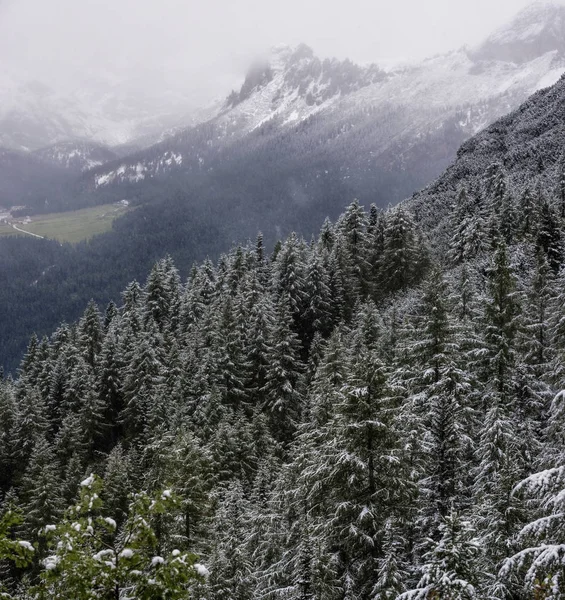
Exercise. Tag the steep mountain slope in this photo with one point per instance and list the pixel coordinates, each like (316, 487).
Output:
(536, 30)
(527, 144)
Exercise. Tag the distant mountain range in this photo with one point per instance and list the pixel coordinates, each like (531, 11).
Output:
(307, 124)
(105, 108)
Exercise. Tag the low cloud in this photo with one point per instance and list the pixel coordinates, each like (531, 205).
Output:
(205, 47)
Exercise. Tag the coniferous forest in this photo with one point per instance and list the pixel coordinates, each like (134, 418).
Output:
(370, 414)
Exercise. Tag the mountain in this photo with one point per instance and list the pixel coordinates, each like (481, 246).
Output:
(527, 144)
(104, 108)
(302, 125)
(538, 29)
(301, 133)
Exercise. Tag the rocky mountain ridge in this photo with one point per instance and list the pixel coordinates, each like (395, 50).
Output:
(404, 124)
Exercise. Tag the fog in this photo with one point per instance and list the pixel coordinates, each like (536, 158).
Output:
(204, 47)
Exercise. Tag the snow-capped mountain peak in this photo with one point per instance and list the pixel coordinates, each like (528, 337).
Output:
(292, 83)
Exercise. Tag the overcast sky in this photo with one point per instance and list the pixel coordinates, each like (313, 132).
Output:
(207, 45)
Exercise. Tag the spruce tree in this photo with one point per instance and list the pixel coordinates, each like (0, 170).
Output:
(230, 566)
(448, 571)
(352, 228)
(401, 259)
(317, 317)
(282, 397)
(498, 452)
(40, 490)
(362, 475)
(90, 333)
(549, 236)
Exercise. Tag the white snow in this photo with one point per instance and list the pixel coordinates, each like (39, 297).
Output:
(138, 175)
(103, 179)
(26, 545)
(201, 570)
(111, 522)
(294, 116)
(126, 553)
(88, 481)
(528, 25)
(527, 32)
(100, 556)
(157, 560)
(171, 157)
(549, 78)
(51, 562)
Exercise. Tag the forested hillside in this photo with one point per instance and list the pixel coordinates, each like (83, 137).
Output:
(375, 413)
(25, 179)
(299, 140)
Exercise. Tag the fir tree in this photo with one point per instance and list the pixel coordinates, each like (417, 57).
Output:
(549, 236)
(230, 566)
(401, 257)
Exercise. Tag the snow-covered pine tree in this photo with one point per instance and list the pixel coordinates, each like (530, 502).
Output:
(449, 571)
(402, 254)
(537, 569)
(281, 392)
(90, 333)
(498, 454)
